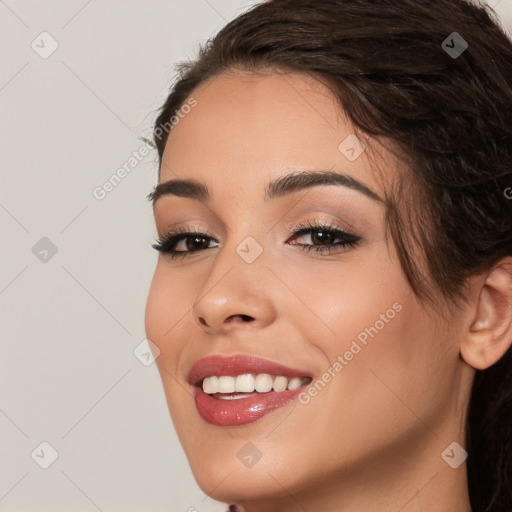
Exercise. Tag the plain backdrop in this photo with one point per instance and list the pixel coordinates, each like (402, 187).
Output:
(74, 269)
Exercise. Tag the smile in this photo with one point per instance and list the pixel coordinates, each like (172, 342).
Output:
(249, 383)
(237, 390)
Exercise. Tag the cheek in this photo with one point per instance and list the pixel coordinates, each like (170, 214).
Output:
(168, 302)
(391, 353)
(348, 296)
(166, 322)
(394, 385)
(165, 318)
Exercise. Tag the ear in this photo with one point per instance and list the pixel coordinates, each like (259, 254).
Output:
(490, 333)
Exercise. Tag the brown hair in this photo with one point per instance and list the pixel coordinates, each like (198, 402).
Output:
(400, 73)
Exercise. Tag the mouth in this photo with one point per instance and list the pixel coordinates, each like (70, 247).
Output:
(237, 390)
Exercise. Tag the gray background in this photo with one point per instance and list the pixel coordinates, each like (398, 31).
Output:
(70, 321)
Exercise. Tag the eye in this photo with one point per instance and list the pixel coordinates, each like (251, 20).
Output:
(180, 243)
(325, 238)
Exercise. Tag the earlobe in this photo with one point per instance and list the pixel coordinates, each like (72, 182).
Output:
(490, 332)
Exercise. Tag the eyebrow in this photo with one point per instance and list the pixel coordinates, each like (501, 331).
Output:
(282, 186)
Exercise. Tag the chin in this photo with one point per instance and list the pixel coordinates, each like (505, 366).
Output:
(232, 485)
(220, 471)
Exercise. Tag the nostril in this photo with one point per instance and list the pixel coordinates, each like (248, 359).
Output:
(244, 318)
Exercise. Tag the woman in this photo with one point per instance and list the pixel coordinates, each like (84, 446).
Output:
(332, 302)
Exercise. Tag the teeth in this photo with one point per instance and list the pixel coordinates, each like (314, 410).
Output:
(235, 397)
(226, 385)
(294, 383)
(263, 383)
(249, 383)
(211, 385)
(244, 383)
(280, 384)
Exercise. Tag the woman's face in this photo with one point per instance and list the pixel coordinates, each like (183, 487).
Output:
(387, 385)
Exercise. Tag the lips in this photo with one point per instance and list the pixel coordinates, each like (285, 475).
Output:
(243, 410)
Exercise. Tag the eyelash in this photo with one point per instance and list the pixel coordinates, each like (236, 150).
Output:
(167, 242)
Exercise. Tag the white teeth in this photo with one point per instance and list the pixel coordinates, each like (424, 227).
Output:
(249, 383)
(280, 383)
(245, 383)
(226, 384)
(263, 383)
(294, 383)
(236, 397)
(211, 385)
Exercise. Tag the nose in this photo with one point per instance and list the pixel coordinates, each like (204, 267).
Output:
(234, 296)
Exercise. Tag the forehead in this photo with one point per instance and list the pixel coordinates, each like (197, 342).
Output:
(247, 129)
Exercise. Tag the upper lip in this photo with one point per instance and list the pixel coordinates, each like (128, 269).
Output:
(237, 365)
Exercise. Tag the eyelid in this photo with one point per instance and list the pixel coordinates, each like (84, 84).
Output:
(323, 219)
(186, 227)
(291, 226)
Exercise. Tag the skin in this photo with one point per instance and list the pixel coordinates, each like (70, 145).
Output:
(372, 438)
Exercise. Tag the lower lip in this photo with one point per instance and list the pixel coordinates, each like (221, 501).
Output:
(242, 410)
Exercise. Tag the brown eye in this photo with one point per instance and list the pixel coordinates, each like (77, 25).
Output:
(182, 243)
(323, 238)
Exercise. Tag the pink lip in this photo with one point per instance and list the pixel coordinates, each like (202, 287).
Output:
(244, 410)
